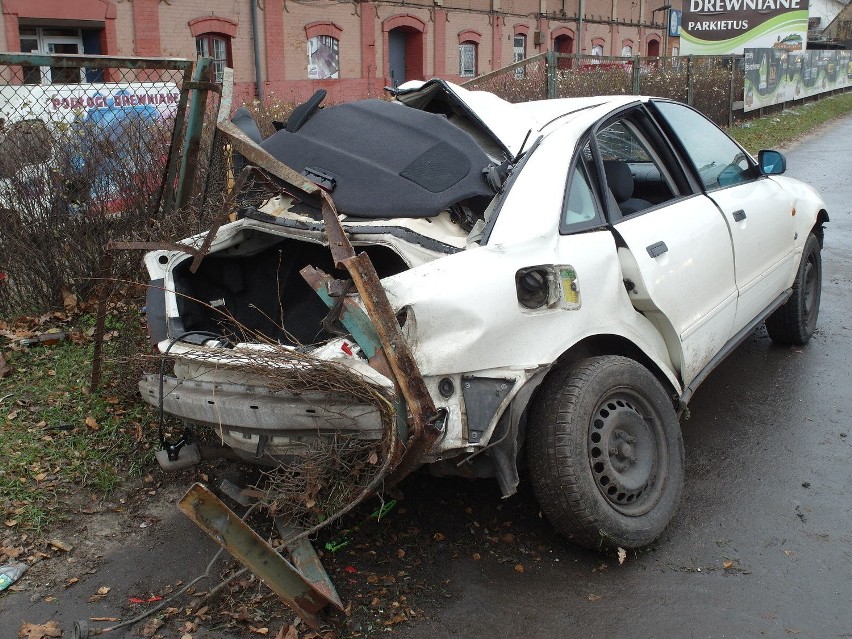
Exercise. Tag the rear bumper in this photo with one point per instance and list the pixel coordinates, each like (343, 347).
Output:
(258, 421)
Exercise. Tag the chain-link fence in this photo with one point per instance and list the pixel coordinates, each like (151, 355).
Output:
(714, 85)
(82, 163)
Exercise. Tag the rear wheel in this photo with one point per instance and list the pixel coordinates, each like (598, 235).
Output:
(605, 453)
(795, 321)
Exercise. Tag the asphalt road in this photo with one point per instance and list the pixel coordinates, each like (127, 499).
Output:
(761, 546)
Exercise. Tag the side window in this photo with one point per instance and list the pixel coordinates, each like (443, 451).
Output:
(717, 159)
(636, 176)
(579, 206)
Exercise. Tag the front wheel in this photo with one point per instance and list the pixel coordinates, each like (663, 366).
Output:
(605, 453)
(795, 321)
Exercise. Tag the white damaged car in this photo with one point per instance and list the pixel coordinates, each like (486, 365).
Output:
(543, 283)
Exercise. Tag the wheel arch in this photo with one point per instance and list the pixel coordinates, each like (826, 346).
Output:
(611, 344)
(818, 230)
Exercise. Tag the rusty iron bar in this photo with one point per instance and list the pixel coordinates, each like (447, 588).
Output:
(307, 562)
(261, 158)
(100, 321)
(194, 130)
(296, 590)
(424, 429)
(221, 218)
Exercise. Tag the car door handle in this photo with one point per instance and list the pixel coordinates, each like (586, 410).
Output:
(657, 249)
(739, 216)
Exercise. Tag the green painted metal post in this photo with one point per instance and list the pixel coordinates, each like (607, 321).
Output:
(733, 69)
(635, 76)
(194, 129)
(689, 79)
(550, 64)
(167, 196)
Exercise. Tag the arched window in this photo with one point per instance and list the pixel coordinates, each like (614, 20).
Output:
(323, 50)
(213, 40)
(218, 47)
(519, 48)
(626, 48)
(469, 53)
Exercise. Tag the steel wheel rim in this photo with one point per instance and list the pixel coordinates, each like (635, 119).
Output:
(627, 452)
(810, 288)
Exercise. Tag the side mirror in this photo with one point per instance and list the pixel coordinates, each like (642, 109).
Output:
(771, 162)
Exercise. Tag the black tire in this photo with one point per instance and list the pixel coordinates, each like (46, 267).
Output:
(795, 321)
(605, 453)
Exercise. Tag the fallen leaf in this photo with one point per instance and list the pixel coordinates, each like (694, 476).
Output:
(259, 631)
(91, 423)
(39, 630)
(151, 627)
(373, 459)
(5, 369)
(287, 632)
(397, 618)
(439, 536)
(100, 594)
(519, 568)
(104, 619)
(622, 556)
(61, 545)
(69, 300)
(727, 564)
(71, 581)
(594, 597)
(476, 556)
(10, 522)
(400, 553)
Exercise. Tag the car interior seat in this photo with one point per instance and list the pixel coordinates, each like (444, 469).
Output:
(620, 182)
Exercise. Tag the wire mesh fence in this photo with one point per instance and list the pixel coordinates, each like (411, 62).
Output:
(82, 162)
(712, 84)
(519, 82)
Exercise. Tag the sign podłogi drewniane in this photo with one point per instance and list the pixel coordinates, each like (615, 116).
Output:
(722, 27)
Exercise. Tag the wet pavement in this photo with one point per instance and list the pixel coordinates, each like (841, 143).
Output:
(761, 546)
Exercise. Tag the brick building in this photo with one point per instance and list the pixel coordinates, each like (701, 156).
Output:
(352, 49)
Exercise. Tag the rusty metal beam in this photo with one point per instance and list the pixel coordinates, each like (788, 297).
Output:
(296, 590)
(224, 212)
(424, 428)
(307, 562)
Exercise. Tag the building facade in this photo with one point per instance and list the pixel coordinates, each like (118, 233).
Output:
(291, 48)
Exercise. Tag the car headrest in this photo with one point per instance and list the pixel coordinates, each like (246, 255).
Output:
(619, 179)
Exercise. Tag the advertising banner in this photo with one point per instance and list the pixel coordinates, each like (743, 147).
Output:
(773, 76)
(723, 27)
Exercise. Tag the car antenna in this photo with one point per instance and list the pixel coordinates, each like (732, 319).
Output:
(521, 150)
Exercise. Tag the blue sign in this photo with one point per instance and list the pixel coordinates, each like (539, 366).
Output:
(675, 18)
